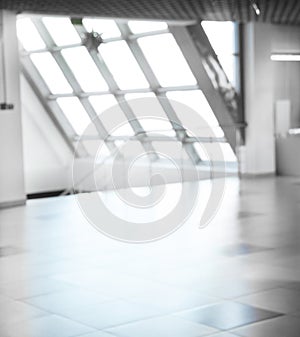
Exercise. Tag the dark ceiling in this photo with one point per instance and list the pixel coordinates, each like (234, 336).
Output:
(275, 11)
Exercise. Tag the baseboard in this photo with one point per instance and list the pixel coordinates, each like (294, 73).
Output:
(258, 175)
(9, 204)
(48, 194)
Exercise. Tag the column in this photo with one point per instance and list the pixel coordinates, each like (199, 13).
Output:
(12, 191)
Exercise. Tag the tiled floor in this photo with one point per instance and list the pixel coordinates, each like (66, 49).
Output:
(240, 276)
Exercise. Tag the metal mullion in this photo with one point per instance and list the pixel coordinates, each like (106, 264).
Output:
(52, 108)
(178, 88)
(51, 49)
(114, 88)
(135, 36)
(155, 86)
(158, 138)
(73, 82)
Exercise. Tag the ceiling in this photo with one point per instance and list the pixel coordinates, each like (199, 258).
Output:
(275, 11)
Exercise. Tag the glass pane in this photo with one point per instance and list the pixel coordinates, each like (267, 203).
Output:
(228, 153)
(28, 35)
(201, 152)
(204, 149)
(159, 124)
(221, 36)
(107, 28)
(167, 60)
(103, 102)
(84, 69)
(96, 149)
(75, 113)
(51, 73)
(228, 63)
(114, 121)
(196, 101)
(146, 26)
(62, 31)
(123, 65)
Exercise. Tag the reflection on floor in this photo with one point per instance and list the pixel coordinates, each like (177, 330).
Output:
(240, 276)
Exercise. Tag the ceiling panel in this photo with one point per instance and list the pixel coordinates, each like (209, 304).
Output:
(275, 11)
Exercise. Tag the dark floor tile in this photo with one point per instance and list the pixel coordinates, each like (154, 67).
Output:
(284, 326)
(243, 249)
(228, 315)
(279, 300)
(10, 250)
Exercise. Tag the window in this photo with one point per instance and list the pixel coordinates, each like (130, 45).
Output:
(222, 36)
(198, 103)
(159, 125)
(123, 65)
(75, 113)
(116, 86)
(159, 50)
(138, 27)
(117, 126)
(84, 69)
(62, 31)
(51, 73)
(27, 33)
(107, 28)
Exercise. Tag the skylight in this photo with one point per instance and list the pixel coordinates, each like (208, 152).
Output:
(27, 33)
(138, 27)
(123, 65)
(107, 28)
(84, 69)
(137, 59)
(62, 31)
(51, 73)
(159, 50)
(75, 113)
(222, 36)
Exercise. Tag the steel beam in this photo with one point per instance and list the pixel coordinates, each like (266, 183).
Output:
(157, 89)
(213, 96)
(115, 90)
(72, 81)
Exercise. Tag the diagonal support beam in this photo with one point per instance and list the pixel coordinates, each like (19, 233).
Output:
(155, 86)
(194, 58)
(103, 134)
(114, 88)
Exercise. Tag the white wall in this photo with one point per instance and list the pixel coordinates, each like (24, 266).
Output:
(259, 100)
(47, 158)
(11, 154)
(266, 82)
(286, 39)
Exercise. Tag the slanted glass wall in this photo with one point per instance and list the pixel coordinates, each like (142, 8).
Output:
(135, 59)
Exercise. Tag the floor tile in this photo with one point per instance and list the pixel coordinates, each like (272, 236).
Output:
(68, 301)
(100, 334)
(10, 250)
(109, 314)
(162, 327)
(174, 299)
(227, 315)
(280, 300)
(223, 334)
(12, 311)
(32, 287)
(243, 249)
(47, 326)
(241, 287)
(284, 326)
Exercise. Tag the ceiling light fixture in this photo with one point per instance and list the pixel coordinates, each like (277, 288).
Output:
(286, 57)
(255, 7)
